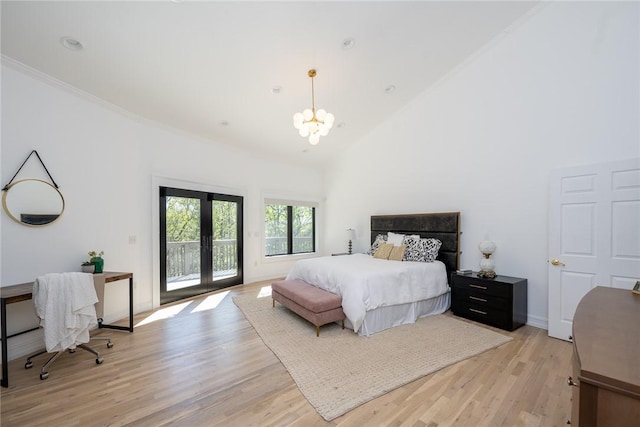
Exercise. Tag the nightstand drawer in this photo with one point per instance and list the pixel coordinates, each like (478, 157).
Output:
(481, 286)
(461, 294)
(487, 315)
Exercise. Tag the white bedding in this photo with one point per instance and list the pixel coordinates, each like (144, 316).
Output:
(366, 283)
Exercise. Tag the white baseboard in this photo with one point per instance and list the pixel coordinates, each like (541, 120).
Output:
(25, 344)
(538, 322)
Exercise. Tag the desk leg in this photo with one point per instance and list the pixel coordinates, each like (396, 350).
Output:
(122, 328)
(131, 304)
(5, 355)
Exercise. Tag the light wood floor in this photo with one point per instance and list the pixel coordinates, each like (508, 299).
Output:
(206, 367)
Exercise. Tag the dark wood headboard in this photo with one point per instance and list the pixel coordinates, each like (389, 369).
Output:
(442, 226)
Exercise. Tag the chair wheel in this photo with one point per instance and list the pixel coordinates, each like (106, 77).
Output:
(44, 375)
(28, 365)
(109, 344)
(99, 361)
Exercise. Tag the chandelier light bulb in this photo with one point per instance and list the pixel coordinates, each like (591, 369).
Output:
(312, 123)
(307, 114)
(329, 119)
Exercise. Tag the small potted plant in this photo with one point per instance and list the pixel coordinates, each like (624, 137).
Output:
(87, 267)
(96, 260)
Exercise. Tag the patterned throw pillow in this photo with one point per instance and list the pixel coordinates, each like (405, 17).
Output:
(431, 248)
(412, 248)
(380, 239)
(421, 250)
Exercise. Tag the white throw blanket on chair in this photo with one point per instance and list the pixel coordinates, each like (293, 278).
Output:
(64, 303)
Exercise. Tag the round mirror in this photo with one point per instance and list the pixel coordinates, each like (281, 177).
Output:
(32, 202)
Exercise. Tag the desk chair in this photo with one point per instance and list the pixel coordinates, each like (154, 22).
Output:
(64, 302)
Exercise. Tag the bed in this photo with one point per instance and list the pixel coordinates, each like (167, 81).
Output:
(378, 294)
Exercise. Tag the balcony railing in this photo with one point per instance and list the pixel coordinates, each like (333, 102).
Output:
(183, 258)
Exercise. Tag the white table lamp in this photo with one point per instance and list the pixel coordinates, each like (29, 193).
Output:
(487, 265)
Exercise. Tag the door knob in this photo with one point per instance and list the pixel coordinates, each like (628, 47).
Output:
(557, 262)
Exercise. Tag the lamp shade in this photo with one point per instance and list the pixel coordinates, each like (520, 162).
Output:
(351, 234)
(487, 247)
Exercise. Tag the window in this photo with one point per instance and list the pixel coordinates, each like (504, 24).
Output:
(289, 228)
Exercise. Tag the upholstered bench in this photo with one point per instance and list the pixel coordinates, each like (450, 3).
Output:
(313, 304)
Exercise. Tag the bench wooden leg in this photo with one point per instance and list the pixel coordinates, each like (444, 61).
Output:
(273, 303)
(342, 323)
(317, 331)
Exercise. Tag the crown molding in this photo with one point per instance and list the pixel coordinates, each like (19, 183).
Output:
(52, 81)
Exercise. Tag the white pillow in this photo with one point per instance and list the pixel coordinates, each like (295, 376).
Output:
(395, 239)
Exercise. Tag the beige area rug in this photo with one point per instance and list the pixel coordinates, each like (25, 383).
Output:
(341, 370)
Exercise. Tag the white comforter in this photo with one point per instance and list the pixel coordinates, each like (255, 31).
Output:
(366, 283)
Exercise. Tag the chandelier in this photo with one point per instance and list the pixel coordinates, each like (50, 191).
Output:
(312, 123)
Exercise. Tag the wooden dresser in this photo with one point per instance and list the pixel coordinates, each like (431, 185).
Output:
(499, 302)
(606, 359)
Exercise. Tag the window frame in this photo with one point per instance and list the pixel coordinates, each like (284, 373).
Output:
(290, 205)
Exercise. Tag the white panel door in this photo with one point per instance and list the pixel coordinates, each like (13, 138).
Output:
(594, 235)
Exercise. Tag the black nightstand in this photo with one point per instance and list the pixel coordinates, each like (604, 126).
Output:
(499, 302)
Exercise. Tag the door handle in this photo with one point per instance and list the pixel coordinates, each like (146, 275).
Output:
(557, 262)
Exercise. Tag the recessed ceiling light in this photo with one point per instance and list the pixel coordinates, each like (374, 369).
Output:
(276, 90)
(389, 89)
(71, 43)
(348, 43)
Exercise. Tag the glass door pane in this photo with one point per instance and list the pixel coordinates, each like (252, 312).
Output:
(226, 246)
(183, 251)
(225, 240)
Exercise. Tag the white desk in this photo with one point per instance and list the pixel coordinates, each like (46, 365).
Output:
(23, 292)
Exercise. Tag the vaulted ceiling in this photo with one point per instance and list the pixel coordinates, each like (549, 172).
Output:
(236, 72)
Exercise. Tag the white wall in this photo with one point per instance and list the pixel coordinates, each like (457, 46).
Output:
(561, 89)
(105, 162)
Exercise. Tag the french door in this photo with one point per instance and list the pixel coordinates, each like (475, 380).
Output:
(200, 242)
